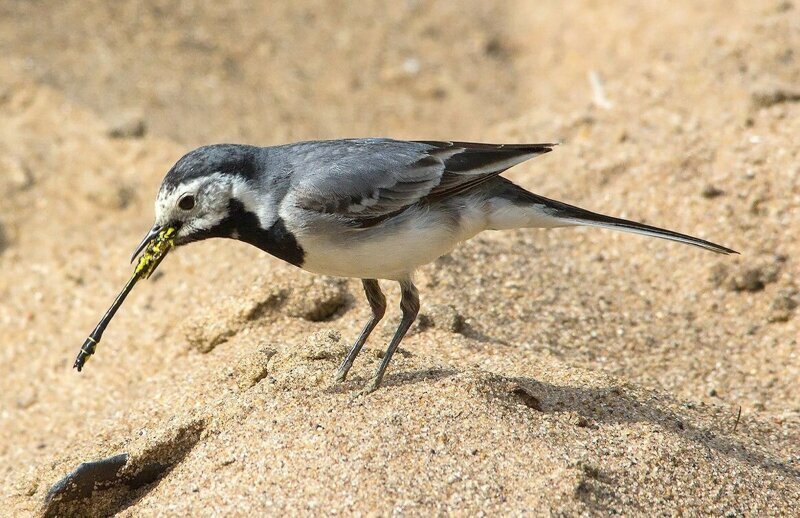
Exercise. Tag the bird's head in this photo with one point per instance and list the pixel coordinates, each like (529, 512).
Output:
(204, 192)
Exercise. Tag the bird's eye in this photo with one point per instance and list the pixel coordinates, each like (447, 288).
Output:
(186, 202)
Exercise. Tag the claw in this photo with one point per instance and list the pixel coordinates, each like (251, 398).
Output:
(341, 375)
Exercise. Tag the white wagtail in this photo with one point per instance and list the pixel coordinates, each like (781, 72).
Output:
(364, 208)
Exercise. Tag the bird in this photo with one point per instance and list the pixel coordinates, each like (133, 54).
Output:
(366, 208)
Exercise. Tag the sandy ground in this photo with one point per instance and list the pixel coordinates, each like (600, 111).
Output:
(557, 372)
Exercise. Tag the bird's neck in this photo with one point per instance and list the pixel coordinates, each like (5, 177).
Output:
(275, 239)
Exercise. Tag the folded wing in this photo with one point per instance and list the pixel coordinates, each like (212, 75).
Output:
(365, 181)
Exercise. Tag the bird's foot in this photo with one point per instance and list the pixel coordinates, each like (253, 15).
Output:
(341, 374)
(364, 392)
(372, 386)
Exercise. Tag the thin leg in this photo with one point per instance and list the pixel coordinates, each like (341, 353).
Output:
(378, 304)
(409, 304)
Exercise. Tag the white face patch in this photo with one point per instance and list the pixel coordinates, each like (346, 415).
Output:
(213, 194)
(255, 201)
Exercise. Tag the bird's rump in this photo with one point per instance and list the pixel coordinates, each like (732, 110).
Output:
(365, 181)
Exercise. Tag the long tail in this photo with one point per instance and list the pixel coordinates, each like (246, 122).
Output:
(552, 213)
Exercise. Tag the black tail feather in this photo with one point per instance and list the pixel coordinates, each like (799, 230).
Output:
(570, 213)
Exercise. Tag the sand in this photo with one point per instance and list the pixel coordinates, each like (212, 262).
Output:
(559, 372)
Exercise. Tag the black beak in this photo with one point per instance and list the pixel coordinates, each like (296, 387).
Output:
(151, 235)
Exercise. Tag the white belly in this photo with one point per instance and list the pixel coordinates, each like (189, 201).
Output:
(390, 250)
(394, 248)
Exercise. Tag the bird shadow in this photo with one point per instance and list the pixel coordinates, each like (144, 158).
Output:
(471, 332)
(398, 379)
(611, 405)
(601, 406)
(604, 406)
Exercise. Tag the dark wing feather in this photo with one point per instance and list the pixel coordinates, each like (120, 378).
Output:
(365, 181)
(468, 164)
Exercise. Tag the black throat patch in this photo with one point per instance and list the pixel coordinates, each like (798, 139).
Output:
(276, 240)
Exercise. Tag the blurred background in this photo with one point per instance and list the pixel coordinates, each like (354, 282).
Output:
(679, 114)
(199, 72)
